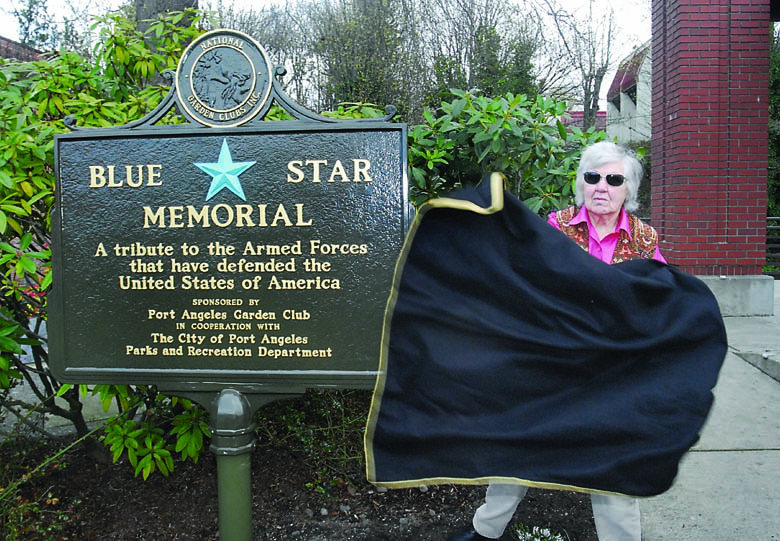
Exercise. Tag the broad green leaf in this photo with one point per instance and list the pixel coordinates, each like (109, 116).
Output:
(6, 180)
(561, 130)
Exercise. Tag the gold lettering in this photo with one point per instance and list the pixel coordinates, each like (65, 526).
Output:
(297, 171)
(153, 172)
(152, 218)
(201, 217)
(175, 217)
(222, 40)
(129, 176)
(301, 222)
(338, 169)
(304, 283)
(293, 168)
(223, 215)
(316, 171)
(215, 215)
(111, 182)
(361, 170)
(281, 214)
(262, 208)
(100, 177)
(273, 249)
(97, 176)
(243, 213)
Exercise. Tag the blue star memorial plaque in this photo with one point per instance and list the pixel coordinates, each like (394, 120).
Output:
(227, 251)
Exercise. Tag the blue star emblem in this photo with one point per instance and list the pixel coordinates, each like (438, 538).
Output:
(224, 173)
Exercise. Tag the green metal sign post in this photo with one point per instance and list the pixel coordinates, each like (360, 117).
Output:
(228, 259)
(233, 441)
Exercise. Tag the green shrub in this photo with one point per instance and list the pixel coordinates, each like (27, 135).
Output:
(115, 88)
(474, 135)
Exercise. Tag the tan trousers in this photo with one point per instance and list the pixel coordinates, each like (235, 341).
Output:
(617, 517)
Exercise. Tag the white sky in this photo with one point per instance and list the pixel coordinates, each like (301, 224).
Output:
(632, 18)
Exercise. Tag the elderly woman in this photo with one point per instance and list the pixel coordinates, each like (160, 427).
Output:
(601, 223)
(606, 192)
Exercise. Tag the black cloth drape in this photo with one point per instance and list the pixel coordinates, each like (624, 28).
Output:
(509, 353)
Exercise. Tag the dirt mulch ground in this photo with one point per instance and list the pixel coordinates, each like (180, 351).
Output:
(106, 502)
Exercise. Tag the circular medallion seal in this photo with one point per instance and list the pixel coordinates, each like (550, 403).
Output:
(223, 79)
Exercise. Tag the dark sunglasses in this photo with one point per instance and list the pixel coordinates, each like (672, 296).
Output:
(613, 179)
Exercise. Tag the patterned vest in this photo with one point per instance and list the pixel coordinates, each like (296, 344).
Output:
(640, 245)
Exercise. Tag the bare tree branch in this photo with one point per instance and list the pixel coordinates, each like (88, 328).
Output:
(587, 42)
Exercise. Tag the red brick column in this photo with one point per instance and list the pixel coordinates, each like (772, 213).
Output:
(709, 143)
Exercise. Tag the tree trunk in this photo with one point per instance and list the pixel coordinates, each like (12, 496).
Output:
(96, 450)
(147, 10)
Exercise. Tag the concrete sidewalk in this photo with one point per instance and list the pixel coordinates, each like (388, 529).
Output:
(728, 487)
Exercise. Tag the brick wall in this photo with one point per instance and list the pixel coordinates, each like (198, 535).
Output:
(710, 114)
(13, 49)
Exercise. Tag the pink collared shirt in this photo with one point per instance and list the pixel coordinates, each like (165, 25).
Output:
(602, 249)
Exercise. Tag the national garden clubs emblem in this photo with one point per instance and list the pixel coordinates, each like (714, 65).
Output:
(224, 79)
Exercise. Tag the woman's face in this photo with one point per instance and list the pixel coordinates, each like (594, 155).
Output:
(601, 198)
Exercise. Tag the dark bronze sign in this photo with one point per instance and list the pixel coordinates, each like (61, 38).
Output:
(195, 258)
